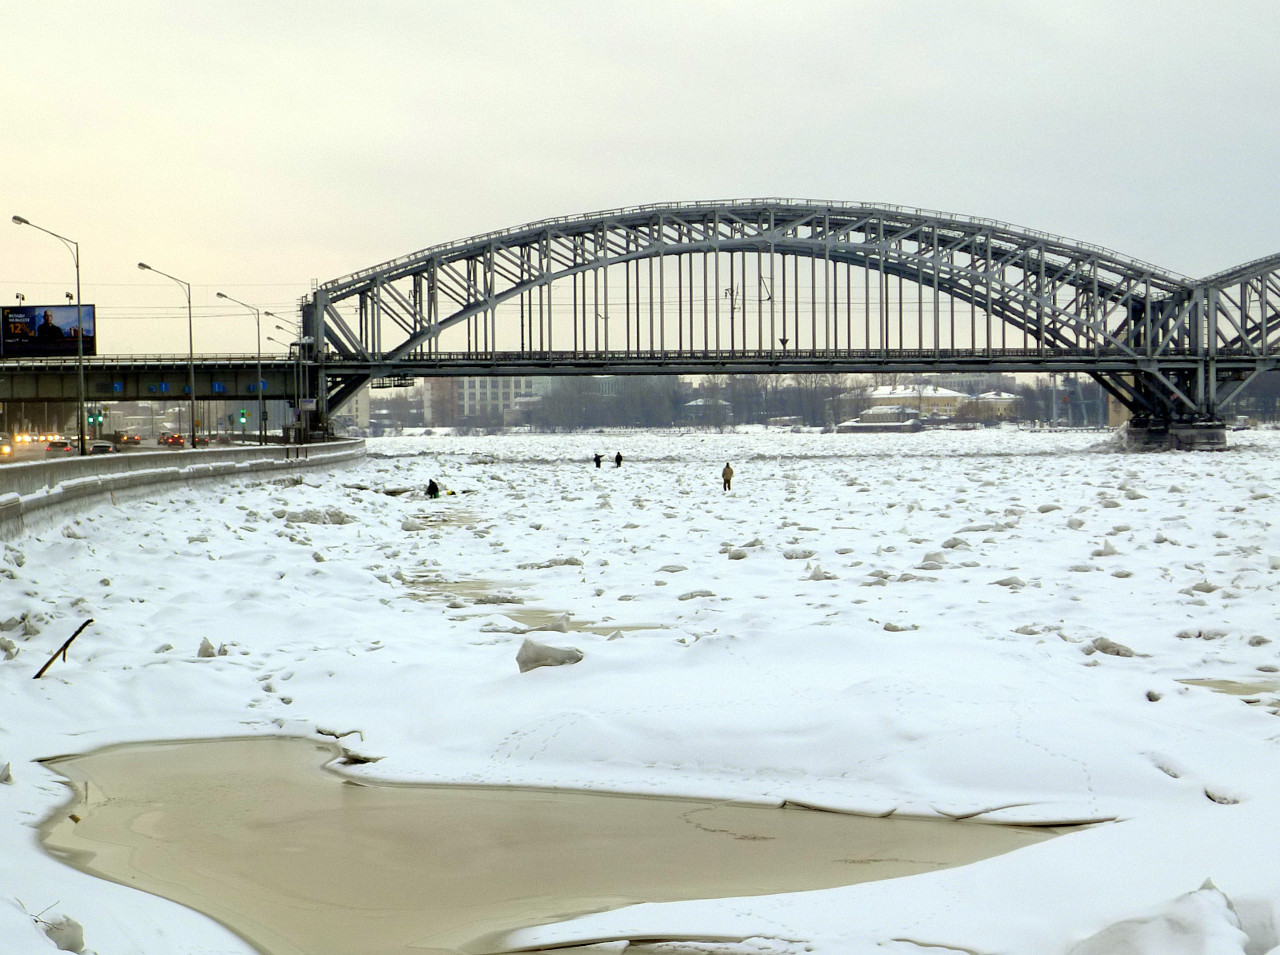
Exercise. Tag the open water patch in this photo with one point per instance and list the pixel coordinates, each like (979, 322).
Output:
(1253, 691)
(258, 834)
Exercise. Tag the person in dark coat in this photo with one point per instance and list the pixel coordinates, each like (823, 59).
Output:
(47, 330)
(599, 458)
(617, 460)
(433, 489)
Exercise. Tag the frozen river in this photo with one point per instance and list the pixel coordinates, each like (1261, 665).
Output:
(997, 626)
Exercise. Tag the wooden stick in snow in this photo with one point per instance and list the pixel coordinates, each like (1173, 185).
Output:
(62, 650)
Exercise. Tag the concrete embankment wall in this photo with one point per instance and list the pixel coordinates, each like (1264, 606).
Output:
(40, 492)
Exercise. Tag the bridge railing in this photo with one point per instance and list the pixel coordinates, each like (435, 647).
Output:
(469, 360)
(1244, 270)
(116, 361)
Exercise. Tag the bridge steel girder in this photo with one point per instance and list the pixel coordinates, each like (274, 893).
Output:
(1167, 346)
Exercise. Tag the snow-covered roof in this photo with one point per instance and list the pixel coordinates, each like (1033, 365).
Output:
(891, 409)
(913, 391)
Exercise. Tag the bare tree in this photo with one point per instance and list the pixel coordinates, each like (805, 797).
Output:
(715, 406)
(811, 388)
(853, 397)
(746, 397)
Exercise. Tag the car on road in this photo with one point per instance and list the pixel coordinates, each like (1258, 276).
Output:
(103, 447)
(125, 439)
(59, 448)
(173, 440)
(6, 445)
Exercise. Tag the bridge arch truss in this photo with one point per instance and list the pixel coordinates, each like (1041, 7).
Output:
(779, 285)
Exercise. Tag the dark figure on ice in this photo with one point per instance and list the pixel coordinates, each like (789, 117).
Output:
(433, 489)
(727, 476)
(617, 460)
(598, 460)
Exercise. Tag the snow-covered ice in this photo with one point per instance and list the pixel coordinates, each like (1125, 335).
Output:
(992, 625)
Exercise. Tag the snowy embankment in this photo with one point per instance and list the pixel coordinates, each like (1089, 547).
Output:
(38, 492)
(975, 624)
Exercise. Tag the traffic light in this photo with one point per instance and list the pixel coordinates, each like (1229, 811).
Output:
(243, 417)
(100, 416)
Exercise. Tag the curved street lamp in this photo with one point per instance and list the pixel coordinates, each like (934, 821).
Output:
(290, 325)
(75, 254)
(191, 346)
(257, 323)
(294, 329)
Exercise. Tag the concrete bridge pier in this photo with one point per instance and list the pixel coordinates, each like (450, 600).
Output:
(1159, 434)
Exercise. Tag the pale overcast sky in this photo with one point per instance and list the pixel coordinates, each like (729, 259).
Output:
(253, 146)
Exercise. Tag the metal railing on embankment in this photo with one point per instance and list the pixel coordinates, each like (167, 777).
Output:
(41, 491)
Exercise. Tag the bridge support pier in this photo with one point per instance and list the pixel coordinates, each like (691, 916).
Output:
(1157, 434)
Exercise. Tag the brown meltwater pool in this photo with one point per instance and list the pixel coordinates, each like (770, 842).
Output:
(1252, 690)
(295, 859)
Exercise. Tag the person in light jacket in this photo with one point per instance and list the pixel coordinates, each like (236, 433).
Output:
(727, 476)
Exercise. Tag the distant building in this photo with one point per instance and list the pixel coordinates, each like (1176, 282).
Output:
(1117, 414)
(440, 401)
(881, 414)
(973, 382)
(606, 386)
(490, 399)
(882, 418)
(708, 411)
(355, 411)
(995, 404)
(925, 399)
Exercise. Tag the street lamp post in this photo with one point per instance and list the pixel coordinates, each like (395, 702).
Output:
(257, 323)
(75, 254)
(289, 347)
(191, 345)
(295, 350)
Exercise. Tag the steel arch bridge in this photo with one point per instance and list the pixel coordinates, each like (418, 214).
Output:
(789, 286)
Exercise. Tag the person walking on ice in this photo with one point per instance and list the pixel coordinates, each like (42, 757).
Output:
(727, 476)
(617, 460)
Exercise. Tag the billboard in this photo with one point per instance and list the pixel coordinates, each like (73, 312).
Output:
(46, 331)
